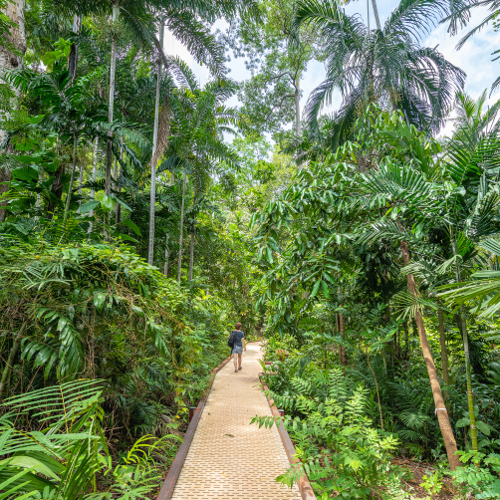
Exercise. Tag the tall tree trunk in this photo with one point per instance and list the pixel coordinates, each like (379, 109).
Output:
(442, 415)
(116, 175)
(111, 103)
(94, 169)
(73, 54)
(179, 263)
(5, 176)
(462, 323)
(376, 388)
(191, 245)
(191, 256)
(470, 399)
(10, 361)
(165, 267)
(152, 192)
(442, 342)
(297, 107)
(17, 36)
(375, 13)
(407, 349)
(343, 355)
(72, 178)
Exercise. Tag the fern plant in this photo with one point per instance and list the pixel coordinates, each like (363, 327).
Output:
(66, 452)
(337, 446)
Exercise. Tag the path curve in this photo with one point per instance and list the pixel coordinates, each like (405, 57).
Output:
(229, 458)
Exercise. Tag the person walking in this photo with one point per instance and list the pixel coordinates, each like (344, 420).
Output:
(238, 346)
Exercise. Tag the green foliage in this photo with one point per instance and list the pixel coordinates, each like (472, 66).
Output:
(337, 446)
(67, 453)
(479, 478)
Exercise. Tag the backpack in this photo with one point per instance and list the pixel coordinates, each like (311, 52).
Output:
(230, 342)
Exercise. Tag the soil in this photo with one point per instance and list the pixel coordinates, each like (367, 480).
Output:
(415, 478)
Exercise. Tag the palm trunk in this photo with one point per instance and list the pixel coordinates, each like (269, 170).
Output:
(375, 13)
(17, 37)
(297, 108)
(376, 387)
(463, 329)
(470, 399)
(94, 169)
(179, 263)
(72, 179)
(407, 347)
(152, 192)
(111, 104)
(73, 55)
(442, 415)
(5, 176)
(442, 341)
(165, 267)
(10, 361)
(343, 355)
(191, 256)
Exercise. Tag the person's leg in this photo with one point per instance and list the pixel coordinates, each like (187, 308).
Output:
(239, 360)
(235, 361)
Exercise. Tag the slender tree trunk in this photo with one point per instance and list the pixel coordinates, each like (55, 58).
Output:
(376, 387)
(17, 36)
(5, 176)
(73, 54)
(442, 341)
(116, 175)
(463, 329)
(440, 409)
(191, 256)
(111, 103)
(375, 13)
(179, 263)
(470, 398)
(94, 169)
(407, 347)
(343, 355)
(297, 107)
(191, 246)
(10, 361)
(165, 267)
(72, 178)
(152, 192)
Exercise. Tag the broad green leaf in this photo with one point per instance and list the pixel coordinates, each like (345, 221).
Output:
(132, 226)
(88, 206)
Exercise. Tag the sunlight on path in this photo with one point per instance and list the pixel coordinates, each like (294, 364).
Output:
(228, 457)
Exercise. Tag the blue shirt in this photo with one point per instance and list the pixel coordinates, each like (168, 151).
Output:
(237, 338)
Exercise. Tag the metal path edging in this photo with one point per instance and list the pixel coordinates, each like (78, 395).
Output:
(175, 469)
(304, 485)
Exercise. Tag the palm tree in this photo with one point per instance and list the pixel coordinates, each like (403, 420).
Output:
(197, 142)
(385, 65)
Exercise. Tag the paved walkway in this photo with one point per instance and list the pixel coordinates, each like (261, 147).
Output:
(229, 458)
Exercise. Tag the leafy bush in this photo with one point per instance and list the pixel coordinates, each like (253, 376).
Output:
(337, 445)
(67, 456)
(481, 477)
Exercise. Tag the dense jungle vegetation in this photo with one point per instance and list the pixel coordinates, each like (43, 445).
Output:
(142, 215)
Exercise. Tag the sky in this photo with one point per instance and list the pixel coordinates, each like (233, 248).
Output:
(475, 58)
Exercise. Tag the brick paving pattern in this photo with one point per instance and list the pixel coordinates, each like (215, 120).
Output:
(229, 458)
